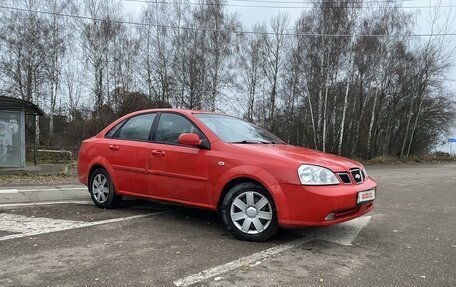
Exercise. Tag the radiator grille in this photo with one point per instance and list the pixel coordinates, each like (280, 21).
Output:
(344, 177)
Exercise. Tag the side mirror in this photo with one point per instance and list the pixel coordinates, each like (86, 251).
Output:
(189, 139)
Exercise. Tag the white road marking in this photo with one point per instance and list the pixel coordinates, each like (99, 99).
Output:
(53, 189)
(209, 273)
(45, 203)
(33, 225)
(4, 191)
(343, 234)
(45, 188)
(25, 226)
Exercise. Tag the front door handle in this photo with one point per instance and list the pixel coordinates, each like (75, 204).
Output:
(113, 147)
(158, 152)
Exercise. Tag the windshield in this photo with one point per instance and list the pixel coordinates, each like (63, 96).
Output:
(234, 130)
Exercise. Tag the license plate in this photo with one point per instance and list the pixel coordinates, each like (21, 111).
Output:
(365, 196)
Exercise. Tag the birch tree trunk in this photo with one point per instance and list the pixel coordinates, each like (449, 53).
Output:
(371, 124)
(53, 103)
(325, 109)
(414, 125)
(344, 113)
(361, 114)
(404, 142)
(313, 122)
(320, 103)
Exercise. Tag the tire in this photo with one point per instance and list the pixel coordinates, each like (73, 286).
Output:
(249, 213)
(102, 190)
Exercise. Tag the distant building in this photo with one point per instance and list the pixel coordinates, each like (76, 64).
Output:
(12, 130)
(452, 146)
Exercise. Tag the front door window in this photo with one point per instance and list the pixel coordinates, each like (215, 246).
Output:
(171, 126)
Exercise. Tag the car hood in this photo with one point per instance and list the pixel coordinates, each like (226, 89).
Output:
(302, 155)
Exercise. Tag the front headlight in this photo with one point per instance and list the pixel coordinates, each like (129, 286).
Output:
(316, 175)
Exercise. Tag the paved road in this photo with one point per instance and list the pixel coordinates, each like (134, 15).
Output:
(409, 239)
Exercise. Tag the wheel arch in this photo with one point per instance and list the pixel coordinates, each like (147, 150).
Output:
(93, 168)
(100, 162)
(232, 183)
(248, 174)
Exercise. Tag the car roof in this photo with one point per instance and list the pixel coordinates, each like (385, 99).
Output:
(183, 111)
(140, 112)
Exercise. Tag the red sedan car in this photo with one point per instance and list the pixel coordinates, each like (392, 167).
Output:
(255, 181)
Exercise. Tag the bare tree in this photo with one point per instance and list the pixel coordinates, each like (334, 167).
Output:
(157, 52)
(250, 76)
(273, 60)
(23, 59)
(58, 32)
(97, 37)
(327, 81)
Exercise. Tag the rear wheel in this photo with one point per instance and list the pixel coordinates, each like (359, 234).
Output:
(102, 190)
(249, 213)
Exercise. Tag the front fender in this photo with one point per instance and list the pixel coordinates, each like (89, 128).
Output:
(255, 173)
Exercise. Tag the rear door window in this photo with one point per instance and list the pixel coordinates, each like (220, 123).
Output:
(137, 128)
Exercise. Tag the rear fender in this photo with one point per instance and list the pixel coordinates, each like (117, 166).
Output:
(104, 163)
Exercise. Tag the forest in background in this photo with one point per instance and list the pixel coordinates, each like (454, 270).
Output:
(348, 77)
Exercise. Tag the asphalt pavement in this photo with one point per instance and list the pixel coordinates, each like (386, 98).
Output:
(55, 236)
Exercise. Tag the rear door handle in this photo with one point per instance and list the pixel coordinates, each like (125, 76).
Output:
(158, 152)
(113, 147)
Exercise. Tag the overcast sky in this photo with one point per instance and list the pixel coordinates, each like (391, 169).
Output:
(252, 15)
(423, 17)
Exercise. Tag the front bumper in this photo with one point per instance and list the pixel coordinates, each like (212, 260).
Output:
(300, 206)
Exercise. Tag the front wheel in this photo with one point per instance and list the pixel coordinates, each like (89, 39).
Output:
(249, 213)
(102, 190)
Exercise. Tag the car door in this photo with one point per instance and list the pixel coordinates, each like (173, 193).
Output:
(178, 172)
(128, 148)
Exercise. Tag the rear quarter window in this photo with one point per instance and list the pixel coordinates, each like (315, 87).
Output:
(112, 132)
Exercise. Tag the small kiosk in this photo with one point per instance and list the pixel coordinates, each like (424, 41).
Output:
(12, 130)
(451, 149)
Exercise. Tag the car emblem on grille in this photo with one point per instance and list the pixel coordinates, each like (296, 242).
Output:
(357, 176)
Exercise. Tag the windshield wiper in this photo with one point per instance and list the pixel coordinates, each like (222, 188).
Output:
(252, 142)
